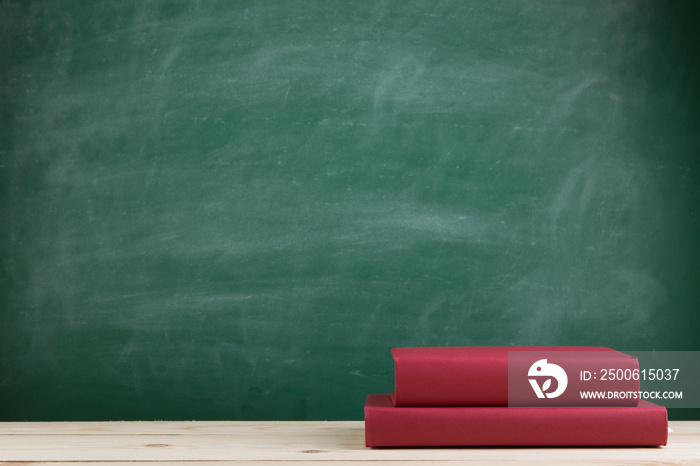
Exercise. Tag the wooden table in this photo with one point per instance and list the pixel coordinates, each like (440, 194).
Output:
(275, 443)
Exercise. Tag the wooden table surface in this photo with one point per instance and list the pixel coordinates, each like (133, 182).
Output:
(274, 443)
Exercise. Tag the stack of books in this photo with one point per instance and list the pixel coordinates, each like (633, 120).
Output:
(514, 396)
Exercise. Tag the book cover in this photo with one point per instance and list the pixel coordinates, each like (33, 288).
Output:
(389, 426)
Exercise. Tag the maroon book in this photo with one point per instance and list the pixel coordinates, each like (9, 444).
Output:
(389, 426)
(538, 376)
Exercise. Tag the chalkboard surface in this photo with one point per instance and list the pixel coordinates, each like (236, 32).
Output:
(233, 210)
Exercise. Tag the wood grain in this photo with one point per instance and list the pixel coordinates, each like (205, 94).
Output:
(263, 443)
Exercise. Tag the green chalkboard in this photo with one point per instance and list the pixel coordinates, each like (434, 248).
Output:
(234, 209)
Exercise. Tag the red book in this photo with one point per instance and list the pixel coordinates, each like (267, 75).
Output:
(389, 426)
(479, 376)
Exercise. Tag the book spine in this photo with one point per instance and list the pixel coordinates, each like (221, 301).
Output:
(464, 381)
(494, 381)
(389, 426)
